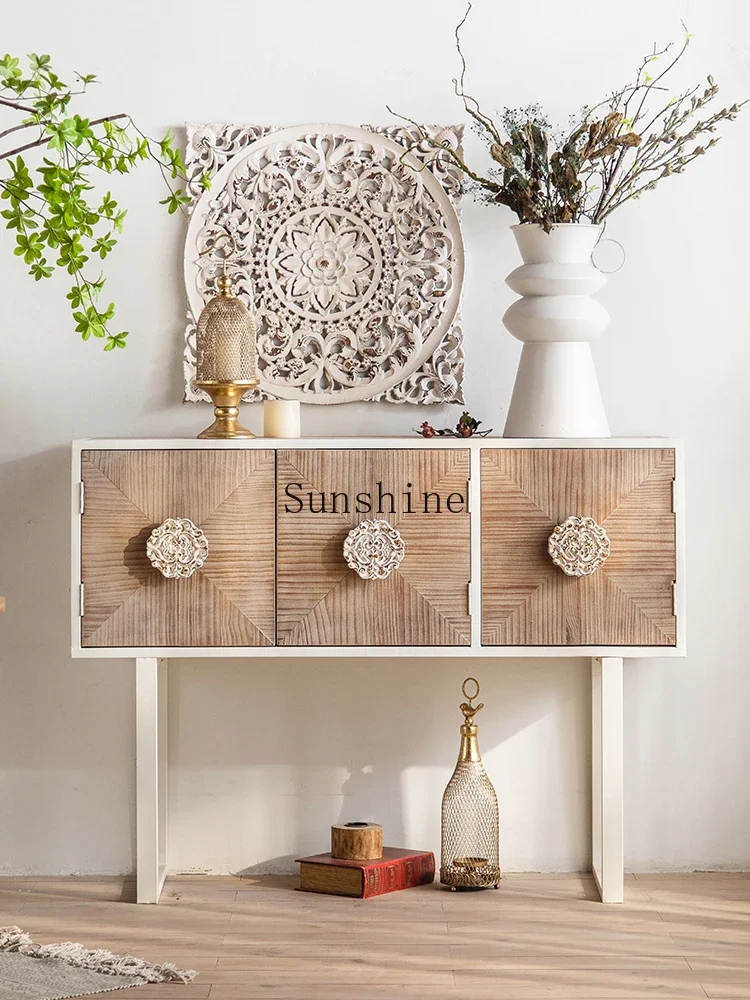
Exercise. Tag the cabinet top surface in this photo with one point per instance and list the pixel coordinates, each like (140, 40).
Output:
(293, 444)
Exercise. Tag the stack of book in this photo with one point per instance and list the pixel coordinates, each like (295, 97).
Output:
(397, 869)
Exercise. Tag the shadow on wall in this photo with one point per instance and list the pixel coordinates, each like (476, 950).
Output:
(266, 755)
(66, 726)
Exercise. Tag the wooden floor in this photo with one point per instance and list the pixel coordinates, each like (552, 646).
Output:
(537, 936)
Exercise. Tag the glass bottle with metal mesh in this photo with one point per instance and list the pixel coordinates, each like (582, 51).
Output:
(470, 852)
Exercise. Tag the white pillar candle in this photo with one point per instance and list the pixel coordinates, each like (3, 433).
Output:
(281, 418)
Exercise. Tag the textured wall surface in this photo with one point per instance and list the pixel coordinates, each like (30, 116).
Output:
(265, 756)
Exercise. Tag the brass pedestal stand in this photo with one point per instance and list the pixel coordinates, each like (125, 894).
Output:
(226, 397)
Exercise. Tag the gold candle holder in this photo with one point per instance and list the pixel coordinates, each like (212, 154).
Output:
(226, 397)
(226, 354)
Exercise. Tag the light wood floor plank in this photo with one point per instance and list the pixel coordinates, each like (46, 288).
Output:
(676, 937)
(254, 991)
(566, 984)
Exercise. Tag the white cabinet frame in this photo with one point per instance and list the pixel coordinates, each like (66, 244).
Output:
(607, 777)
(151, 771)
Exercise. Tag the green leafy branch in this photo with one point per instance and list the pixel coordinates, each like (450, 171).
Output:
(59, 222)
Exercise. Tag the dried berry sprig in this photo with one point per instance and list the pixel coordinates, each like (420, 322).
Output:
(466, 427)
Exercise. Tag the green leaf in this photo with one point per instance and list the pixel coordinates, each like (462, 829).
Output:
(18, 218)
(72, 131)
(103, 246)
(28, 247)
(10, 68)
(41, 269)
(166, 144)
(116, 340)
(38, 63)
(174, 201)
(118, 220)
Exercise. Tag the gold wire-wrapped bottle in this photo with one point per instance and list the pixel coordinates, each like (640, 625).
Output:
(470, 851)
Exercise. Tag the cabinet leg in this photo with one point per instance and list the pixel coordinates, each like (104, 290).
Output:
(151, 777)
(606, 775)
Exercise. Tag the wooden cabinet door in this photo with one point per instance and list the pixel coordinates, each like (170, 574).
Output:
(229, 495)
(321, 601)
(526, 599)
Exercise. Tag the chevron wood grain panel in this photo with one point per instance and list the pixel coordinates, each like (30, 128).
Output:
(230, 600)
(321, 602)
(526, 599)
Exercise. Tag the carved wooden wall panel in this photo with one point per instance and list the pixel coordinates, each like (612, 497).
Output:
(229, 600)
(526, 599)
(321, 601)
(350, 257)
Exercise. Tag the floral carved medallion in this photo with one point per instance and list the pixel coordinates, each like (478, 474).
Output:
(374, 549)
(177, 548)
(326, 263)
(579, 546)
(350, 259)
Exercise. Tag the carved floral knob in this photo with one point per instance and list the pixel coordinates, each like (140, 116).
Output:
(177, 548)
(579, 546)
(374, 549)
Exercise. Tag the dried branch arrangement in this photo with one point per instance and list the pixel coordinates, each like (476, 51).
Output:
(611, 153)
(58, 219)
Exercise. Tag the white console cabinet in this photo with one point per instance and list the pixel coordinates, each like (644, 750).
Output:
(483, 547)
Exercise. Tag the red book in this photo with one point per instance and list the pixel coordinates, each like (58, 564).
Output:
(397, 869)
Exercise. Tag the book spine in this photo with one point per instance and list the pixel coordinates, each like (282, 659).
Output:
(390, 876)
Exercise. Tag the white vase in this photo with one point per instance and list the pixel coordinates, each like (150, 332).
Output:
(556, 393)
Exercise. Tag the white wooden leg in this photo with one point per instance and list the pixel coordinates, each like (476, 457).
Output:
(151, 777)
(606, 774)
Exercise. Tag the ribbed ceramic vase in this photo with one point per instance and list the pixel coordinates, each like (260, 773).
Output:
(556, 393)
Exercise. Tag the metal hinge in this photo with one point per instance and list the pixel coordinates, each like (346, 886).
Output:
(468, 596)
(81, 611)
(81, 497)
(674, 503)
(674, 598)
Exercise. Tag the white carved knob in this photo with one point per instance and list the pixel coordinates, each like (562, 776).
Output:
(177, 548)
(579, 546)
(374, 549)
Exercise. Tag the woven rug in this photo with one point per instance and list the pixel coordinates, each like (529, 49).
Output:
(55, 971)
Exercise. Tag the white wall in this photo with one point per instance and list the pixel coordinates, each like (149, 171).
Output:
(265, 757)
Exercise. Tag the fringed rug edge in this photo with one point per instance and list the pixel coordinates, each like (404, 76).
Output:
(14, 939)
